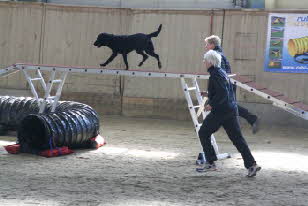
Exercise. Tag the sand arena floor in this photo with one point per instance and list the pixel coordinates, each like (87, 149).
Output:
(152, 162)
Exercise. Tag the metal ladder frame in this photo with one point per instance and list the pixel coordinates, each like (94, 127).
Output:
(53, 100)
(194, 116)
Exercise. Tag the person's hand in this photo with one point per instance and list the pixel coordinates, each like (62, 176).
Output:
(204, 93)
(208, 108)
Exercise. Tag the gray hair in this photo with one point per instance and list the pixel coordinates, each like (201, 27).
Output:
(213, 40)
(213, 58)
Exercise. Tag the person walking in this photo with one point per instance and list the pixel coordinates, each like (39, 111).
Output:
(223, 112)
(214, 43)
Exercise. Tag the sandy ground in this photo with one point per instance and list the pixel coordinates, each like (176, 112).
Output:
(152, 162)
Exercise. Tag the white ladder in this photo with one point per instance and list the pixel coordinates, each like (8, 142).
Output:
(53, 100)
(298, 111)
(194, 116)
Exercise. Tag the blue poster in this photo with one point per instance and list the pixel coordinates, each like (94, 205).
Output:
(287, 43)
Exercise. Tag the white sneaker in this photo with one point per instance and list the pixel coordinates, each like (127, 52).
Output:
(252, 171)
(207, 167)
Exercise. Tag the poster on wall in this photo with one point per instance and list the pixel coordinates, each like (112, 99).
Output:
(287, 43)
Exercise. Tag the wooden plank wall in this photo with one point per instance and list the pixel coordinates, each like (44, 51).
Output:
(64, 35)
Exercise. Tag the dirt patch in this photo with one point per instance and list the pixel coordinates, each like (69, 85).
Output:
(152, 162)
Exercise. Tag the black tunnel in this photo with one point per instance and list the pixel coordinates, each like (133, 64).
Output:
(72, 124)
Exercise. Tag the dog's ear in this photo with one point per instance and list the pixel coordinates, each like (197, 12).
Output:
(107, 37)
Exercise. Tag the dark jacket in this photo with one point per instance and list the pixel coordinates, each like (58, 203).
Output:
(220, 93)
(225, 65)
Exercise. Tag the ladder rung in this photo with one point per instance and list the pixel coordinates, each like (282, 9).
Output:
(191, 88)
(198, 106)
(34, 79)
(57, 81)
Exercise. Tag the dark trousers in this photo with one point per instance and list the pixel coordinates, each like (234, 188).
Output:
(243, 112)
(231, 125)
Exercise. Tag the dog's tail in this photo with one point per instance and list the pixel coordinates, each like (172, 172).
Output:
(155, 33)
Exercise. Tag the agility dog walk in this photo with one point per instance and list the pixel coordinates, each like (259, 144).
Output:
(295, 107)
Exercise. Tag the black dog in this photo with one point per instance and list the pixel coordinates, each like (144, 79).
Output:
(124, 44)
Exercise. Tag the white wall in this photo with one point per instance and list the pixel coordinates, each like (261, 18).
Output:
(270, 4)
(286, 4)
(184, 4)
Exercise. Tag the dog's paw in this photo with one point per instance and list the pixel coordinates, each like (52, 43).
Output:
(140, 64)
(159, 65)
(102, 65)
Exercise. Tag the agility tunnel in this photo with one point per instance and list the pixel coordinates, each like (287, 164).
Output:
(298, 48)
(73, 124)
(14, 109)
